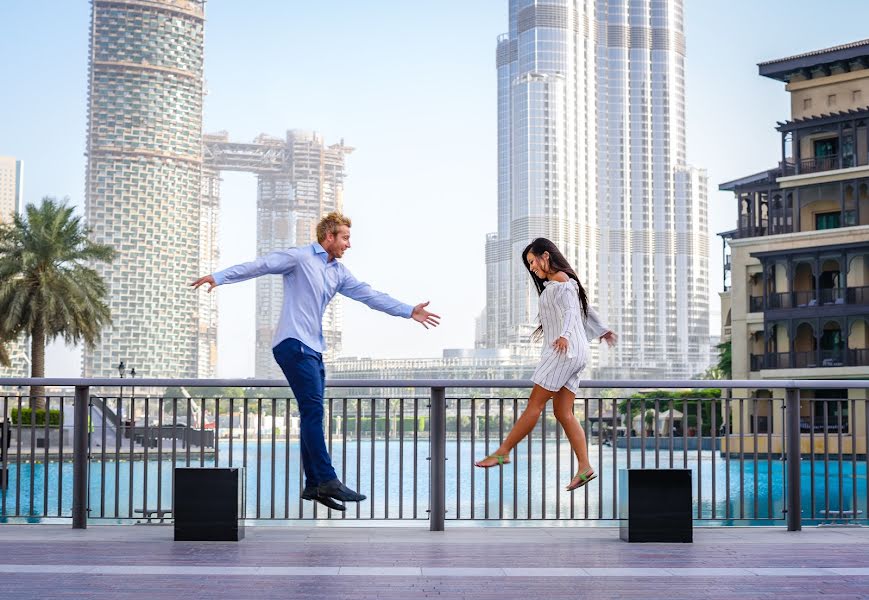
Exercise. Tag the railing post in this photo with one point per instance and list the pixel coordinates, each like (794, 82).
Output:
(438, 451)
(792, 414)
(80, 457)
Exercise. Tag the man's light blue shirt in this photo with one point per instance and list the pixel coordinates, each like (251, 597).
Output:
(310, 283)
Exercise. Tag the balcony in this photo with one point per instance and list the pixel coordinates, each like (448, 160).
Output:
(818, 164)
(827, 142)
(815, 164)
(850, 357)
(812, 298)
(773, 207)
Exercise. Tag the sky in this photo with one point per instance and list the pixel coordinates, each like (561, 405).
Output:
(411, 85)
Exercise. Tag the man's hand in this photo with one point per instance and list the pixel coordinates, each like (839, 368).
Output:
(421, 315)
(610, 337)
(207, 279)
(560, 345)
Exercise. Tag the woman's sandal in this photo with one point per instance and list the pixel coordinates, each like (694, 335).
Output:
(503, 459)
(583, 477)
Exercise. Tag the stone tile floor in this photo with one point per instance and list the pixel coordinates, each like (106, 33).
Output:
(305, 561)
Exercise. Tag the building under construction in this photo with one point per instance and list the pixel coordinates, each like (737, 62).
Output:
(299, 179)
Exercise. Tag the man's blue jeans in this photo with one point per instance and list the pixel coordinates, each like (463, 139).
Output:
(303, 368)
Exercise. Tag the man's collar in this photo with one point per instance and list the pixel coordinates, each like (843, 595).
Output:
(318, 249)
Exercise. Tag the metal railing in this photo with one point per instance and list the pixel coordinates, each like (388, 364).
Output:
(413, 454)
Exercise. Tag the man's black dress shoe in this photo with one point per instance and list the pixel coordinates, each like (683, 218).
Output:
(337, 490)
(311, 492)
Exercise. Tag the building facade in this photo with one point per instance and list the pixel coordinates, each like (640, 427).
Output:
(592, 155)
(144, 181)
(797, 271)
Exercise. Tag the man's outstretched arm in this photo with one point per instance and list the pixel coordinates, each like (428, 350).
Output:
(362, 292)
(275, 263)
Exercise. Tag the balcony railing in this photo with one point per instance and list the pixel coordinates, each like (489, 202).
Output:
(816, 164)
(413, 454)
(851, 357)
(857, 295)
(812, 298)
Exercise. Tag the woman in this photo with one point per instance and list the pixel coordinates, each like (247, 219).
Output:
(567, 323)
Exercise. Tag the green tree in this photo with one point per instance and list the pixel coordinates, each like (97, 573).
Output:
(46, 288)
(685, 401)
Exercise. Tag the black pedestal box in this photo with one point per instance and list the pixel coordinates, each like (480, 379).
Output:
(208, 504)
(655, 505)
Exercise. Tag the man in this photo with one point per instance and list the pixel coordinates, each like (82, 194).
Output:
(312, 276)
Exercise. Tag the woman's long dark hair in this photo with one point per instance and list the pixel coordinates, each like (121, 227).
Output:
(557, 262)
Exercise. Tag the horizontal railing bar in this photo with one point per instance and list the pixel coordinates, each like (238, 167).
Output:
(446, 383)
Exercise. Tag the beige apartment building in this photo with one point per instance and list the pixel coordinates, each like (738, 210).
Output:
(796, 299)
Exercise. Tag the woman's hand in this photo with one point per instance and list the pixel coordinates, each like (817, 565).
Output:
(610, 337)
(560, 345)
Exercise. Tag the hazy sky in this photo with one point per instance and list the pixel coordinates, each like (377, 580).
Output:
(411, 85)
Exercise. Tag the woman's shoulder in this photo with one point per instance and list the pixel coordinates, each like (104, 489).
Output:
(561, 277)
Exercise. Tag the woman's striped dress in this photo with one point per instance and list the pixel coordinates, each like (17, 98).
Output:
(561, 316)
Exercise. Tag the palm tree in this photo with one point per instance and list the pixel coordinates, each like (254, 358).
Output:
(46, 289)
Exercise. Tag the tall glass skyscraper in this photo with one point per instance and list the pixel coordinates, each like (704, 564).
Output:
(144, 178)
(546, 157)
(591, 153)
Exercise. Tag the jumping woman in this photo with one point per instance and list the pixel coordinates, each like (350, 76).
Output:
(567, 324)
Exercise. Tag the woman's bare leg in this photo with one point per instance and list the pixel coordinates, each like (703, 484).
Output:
(563, 405)
(524, 424)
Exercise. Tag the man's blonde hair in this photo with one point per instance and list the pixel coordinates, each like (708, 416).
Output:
(330, 224)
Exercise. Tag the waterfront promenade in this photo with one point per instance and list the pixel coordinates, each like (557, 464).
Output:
(327, 561)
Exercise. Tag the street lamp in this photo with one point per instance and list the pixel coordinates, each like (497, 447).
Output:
(132, 385)
(122, 371)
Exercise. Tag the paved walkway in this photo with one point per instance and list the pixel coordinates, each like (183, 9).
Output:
(47, 561)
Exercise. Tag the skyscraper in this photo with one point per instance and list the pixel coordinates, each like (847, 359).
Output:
(12, 202)
(144, 179)
(546, 157)
(11, 187)
(591, 153)
(654, 248)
